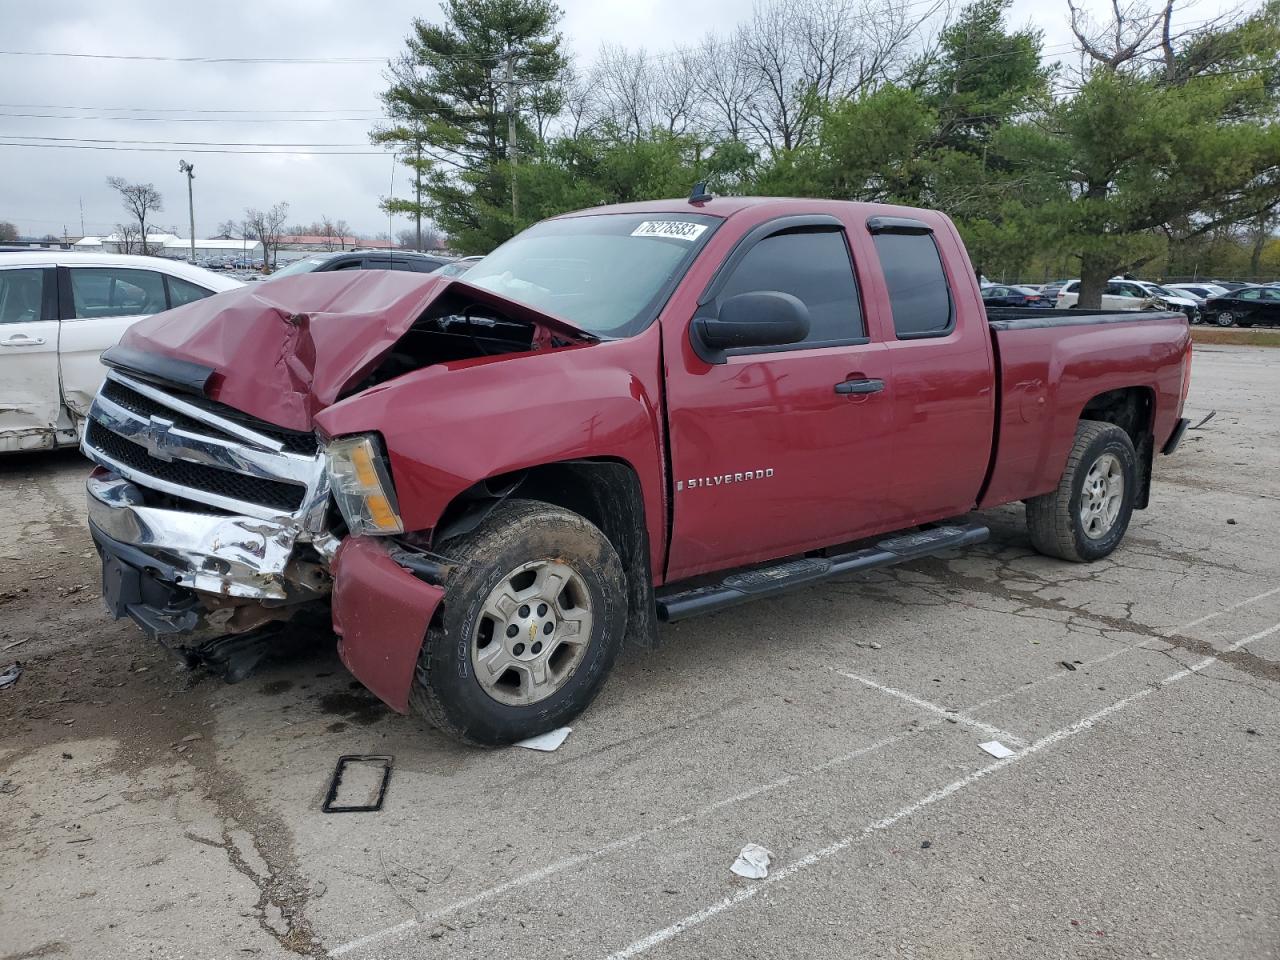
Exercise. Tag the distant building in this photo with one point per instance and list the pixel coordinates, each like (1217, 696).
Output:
(318, 241)
(171, 245)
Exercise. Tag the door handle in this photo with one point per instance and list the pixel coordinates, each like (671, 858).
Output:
(22, 340)
(860, 386)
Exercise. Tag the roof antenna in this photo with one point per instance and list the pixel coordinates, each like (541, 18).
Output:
(699, 193)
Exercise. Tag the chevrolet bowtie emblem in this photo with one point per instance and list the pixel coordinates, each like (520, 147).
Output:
(155, 437)
(533, 632)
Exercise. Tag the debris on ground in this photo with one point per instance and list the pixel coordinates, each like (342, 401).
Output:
(1067, 663)
(375, 791)
(9, 675)
(996, 749)
(1231, 521)
(546, 742)
(1209, 416)
(753, 862)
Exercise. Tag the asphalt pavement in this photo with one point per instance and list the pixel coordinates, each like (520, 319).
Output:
(147, 811)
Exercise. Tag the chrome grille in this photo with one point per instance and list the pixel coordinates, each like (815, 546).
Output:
(197, 450)
(195, 477)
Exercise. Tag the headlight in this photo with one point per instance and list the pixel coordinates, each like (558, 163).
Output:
(361, 486)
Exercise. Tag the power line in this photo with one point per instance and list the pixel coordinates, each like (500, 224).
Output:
(292, 153)
(149, 58)
(81, 116)
(171, 143)
(63, 106)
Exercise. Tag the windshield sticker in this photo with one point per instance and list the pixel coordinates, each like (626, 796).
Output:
(671, 229)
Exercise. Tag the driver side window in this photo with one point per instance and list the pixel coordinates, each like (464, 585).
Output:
(115, 292)
(813, 266)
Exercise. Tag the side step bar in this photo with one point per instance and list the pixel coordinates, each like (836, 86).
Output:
(770, 581)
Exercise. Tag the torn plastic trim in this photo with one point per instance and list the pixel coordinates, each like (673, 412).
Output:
(231, 556)
(426, 567)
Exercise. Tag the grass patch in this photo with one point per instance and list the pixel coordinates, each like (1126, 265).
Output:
(1233, 335)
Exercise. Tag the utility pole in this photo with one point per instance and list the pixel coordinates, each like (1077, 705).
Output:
(417, 191)
(190, 171)
(82, 216)
(512, 150)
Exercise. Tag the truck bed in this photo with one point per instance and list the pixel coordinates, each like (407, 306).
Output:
(1031, 318)
(1050, 364)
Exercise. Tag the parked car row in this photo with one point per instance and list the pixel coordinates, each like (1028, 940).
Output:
(1225, 303)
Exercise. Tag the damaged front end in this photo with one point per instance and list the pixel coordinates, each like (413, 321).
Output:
(207, 525)
(217, 511)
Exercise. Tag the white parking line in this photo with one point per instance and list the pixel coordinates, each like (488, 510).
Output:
(956, 716)
(790, 870)
(613, 846)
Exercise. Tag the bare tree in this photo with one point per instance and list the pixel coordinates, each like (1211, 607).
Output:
(7, 231)
(341, 233)
(127, 237)
(674, 87)
(624, 89)
(266, 226)
(139, 199)
(727, 86)
(1140, 35)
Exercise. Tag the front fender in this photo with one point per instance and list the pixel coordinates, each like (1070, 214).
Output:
(449, 426)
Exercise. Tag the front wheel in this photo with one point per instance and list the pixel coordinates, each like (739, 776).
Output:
(534, 616)
(1226, 319)
(1087, 516)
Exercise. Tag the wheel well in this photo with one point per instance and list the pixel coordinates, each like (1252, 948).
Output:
(1132, 409)
(606, 492)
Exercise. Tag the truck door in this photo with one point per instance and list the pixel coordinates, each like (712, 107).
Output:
(29, 399)
(942, 365)
(778, 449)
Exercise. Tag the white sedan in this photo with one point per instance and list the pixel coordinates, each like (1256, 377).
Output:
(59, 309)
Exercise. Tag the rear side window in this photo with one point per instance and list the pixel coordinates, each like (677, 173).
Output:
(813, 266)
(180, 292)
(116, 292)
(918, 293)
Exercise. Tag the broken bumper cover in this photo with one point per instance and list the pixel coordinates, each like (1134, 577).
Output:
(230, 556)
(381, 611)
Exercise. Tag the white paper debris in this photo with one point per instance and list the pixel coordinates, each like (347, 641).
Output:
(753, 862)
(546, 742)
(996, 749)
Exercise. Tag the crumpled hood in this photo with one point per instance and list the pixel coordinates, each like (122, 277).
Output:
(283, 351)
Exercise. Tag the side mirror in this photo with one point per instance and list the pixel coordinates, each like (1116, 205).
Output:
(765, 318)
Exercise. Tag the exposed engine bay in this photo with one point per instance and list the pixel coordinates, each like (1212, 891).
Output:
(458, 327)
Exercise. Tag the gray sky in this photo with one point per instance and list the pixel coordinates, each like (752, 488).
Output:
(41, 188)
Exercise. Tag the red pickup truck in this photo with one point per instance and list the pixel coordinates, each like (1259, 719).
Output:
(625, 415)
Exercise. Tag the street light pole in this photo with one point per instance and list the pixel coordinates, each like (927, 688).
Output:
(190, 171)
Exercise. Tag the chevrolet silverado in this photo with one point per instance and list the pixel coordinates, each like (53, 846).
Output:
(622, 416)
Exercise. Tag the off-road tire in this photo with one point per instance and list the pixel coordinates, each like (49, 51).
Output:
(1053, 520)
(446, 691)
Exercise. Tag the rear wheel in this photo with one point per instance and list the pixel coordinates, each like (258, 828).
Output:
(1087, 516)
(533, 620)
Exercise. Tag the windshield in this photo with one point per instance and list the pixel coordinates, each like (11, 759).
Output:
(305, 265)
(607, 274)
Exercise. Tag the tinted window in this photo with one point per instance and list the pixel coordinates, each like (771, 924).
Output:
(21, 295)
(180, 292)
(812, 266)
(918, 292)
(357, 264)
(416, 264)
(1273, 295)
(115, 292)
(1249, 295)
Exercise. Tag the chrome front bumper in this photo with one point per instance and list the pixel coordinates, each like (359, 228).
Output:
(230, 556)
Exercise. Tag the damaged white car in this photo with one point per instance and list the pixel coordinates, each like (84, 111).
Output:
(59, 310)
